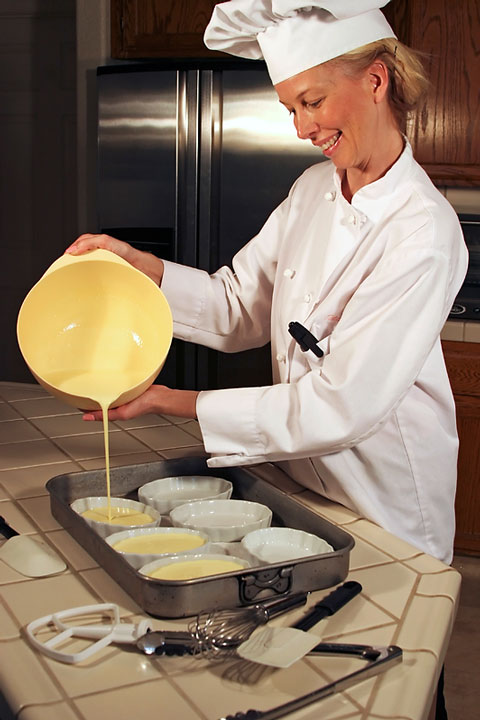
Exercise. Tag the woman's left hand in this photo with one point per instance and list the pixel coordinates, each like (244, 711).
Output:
(157, 399)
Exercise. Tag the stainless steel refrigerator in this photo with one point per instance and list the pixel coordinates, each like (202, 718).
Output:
(192, 158)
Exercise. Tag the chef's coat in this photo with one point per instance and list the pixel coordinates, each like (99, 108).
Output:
(371, 424)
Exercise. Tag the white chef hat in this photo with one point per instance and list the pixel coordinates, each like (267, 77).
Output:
(295, 35)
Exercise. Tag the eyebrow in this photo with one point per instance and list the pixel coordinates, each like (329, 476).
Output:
(301, 94)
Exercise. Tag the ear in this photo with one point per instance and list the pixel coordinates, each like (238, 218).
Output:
(378, 80)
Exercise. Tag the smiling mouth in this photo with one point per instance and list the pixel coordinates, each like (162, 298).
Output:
(330, 142)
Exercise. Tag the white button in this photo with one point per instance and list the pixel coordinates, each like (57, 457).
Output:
(280, 358)
(288, 273)
(352, 220)
(307, 297)
(330, 196)
(363, 220)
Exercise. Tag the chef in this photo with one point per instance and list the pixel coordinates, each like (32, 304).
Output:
(351, 279)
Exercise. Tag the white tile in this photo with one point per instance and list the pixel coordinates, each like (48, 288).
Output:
(24, 687)
(63, 425)
(464, 200)
(41, 596)
(159, 699)
(42, 406)
(18, 520)
(7, 412)
(21, 391)
(184, 452)
(38, 508)
(31, 482)
(18, 431)
(453, 330)
(380, 538)
(143, 421)
(54, 711)
(417, 673)
(172, 436)
(30, 454)
(472, 332)
(81, 447)
(391, 588)
(9, 629)
(120, 460)
(108, 590)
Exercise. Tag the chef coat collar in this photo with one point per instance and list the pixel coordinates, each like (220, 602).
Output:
(369, 199)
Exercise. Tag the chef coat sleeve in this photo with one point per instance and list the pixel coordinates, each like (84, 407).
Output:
(229, 310)
(375, 354)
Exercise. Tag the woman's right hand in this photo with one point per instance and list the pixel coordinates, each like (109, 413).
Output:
(143, 261)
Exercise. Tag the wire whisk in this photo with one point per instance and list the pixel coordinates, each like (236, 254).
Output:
(221, 632)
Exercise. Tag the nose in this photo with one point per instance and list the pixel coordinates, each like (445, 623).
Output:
(306, 128)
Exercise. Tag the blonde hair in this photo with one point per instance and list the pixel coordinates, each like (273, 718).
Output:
(408, 81)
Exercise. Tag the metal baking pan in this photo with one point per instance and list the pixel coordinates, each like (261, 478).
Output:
(182, 598)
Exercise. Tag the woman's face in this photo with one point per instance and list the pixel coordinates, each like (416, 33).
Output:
(338, 113)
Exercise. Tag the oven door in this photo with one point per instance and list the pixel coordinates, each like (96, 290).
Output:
(467, 302)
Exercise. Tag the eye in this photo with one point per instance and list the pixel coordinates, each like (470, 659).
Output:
(313, 104)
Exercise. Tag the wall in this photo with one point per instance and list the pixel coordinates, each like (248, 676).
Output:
(38, 176)
(93, 49)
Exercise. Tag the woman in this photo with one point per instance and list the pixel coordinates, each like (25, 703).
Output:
(364, 252)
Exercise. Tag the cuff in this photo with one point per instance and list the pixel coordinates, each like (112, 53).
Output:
(228, 423)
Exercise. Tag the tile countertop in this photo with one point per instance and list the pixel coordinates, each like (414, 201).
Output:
(408, 599)
(461, 331)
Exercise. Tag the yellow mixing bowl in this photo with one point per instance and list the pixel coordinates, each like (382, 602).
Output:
(95, 314)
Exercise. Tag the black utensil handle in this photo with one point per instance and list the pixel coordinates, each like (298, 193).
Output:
(329, 604)
(283, 604)
(6, 530)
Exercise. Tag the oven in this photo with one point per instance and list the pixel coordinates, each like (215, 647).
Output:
(467, 302)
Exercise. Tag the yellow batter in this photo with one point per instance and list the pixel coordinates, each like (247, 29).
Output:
(104, 387)
(194, 569)
(159, 543)
(117, 515)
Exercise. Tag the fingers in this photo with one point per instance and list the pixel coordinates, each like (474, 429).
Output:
(156, 399)
(123, 412)
(97, 415)
(145, 262)
(91, 241)
(92, 415)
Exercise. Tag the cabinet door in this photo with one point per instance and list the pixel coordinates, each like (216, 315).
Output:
(463, 365)
(467, 502)
(445, 131)
(160, 28)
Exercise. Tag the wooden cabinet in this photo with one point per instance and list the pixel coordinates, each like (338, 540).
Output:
(445, 131)
(160, 28)
(463, 365)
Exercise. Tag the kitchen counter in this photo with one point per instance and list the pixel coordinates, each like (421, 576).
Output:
(408, 599)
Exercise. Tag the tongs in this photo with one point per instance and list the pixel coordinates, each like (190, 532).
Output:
(378, 659)
(176, 642)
